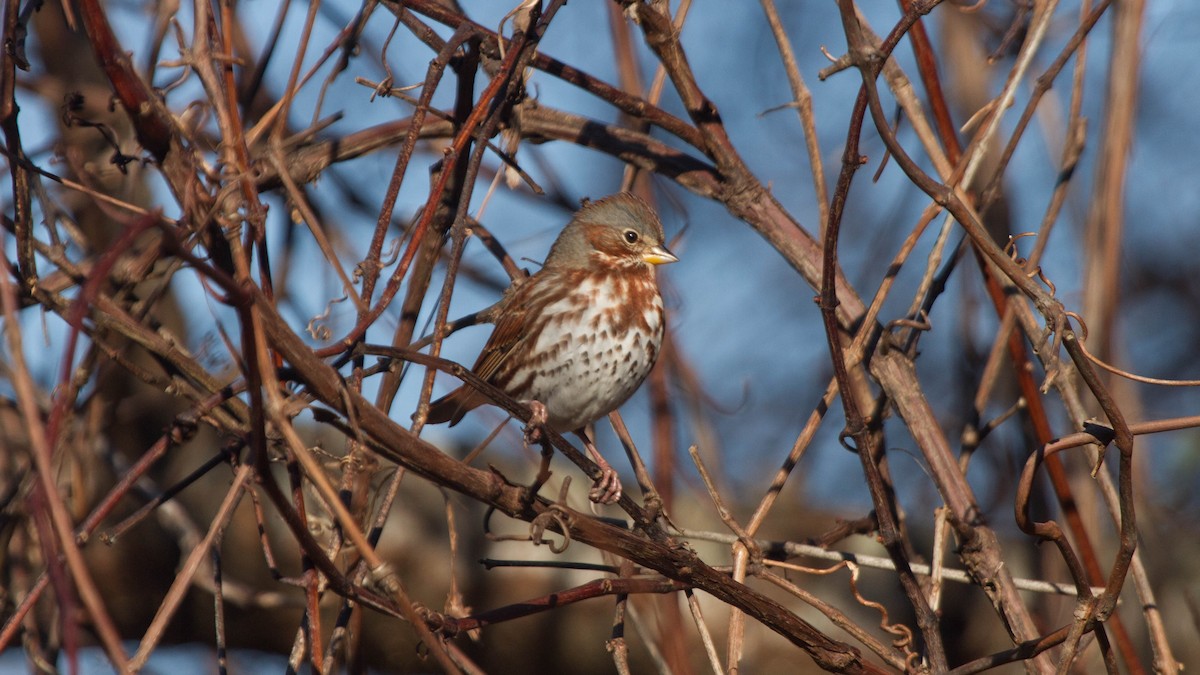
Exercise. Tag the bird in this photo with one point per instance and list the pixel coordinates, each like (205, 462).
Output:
(575, 340)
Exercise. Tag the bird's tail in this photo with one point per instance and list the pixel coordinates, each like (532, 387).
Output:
(453, 406)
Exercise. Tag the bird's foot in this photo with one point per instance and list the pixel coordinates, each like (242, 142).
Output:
(607, 488)
(535, 429)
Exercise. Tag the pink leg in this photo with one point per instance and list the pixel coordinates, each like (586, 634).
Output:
(607, 489)
(533, 430)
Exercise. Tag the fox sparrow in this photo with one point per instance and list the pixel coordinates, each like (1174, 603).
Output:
(576, 339)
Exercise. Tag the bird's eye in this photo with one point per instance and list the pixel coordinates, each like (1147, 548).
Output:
(631, 236)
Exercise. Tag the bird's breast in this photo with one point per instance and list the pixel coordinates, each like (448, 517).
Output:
(591, 348)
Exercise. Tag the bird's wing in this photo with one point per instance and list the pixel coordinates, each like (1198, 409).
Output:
(509, 317)
(510, 330)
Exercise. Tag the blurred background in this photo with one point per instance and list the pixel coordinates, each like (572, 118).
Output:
(747, 360)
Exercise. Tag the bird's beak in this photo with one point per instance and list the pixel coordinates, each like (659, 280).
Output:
(659, 255)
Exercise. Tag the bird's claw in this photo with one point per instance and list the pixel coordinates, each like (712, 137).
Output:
(534, 430)
(607, 489)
